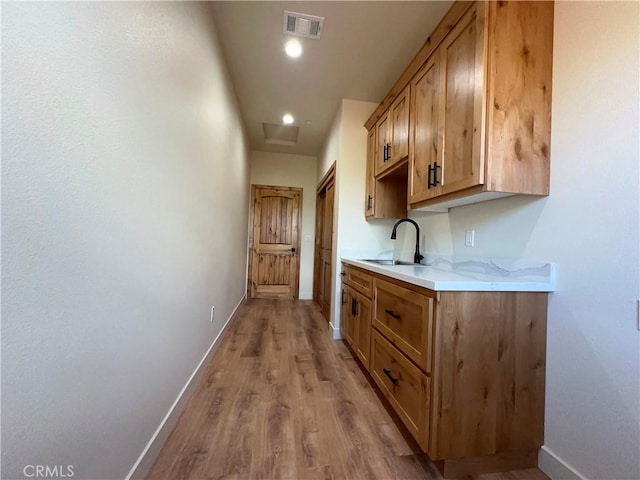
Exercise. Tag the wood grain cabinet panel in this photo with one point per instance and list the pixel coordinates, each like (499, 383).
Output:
(362, 331)
(392, 133)
(425, 144)
(404, 385)
(359, 280)
(355, 319)
(400, 128)
(383, 142)
(461, 83)
(345, 317)
(370, 185)
(405, 317)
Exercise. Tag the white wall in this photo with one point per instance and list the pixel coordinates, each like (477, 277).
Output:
(589, 228)
(124, 219)
(331, 148)
(347, 145)
(286, 170)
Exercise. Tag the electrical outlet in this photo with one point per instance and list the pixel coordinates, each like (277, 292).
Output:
(213, 313)
(470, 238)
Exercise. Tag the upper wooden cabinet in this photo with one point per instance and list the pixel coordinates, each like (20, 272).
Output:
(386, 197)
(426, 134)
(479, 105)
(392, 131)
(370, 186)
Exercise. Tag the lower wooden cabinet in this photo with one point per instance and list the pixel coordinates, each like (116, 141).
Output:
(464, 371)
(355, 322)
(404, 385)
(405, 317)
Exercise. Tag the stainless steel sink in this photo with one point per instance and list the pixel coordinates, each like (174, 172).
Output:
(379, 261)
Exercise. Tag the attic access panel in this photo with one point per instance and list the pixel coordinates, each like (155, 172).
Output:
(280, 134)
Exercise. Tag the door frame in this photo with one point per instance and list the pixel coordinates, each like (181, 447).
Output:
(254, 188)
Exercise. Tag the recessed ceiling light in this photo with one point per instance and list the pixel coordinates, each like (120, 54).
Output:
(293, 48)
(287, 119)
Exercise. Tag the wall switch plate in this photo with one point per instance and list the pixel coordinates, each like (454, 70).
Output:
(213, 313)
(470, 238)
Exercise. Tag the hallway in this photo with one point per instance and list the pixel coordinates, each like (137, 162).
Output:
(281, 400)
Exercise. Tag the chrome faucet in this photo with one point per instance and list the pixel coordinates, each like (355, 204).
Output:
(416, 256)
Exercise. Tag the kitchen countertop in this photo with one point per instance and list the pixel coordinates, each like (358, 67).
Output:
(469, 274)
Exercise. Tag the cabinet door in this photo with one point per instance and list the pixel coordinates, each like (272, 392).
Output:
(383, 142)
(359, 280)
(404, 385)
(370, 198)
(462, 78)
(362, 330)
(405, 317)
(425, 146)
(400, 128)
(349, 310)
(393, 134)
(344, 312)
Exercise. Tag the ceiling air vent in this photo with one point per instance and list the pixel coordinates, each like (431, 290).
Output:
(302, 25)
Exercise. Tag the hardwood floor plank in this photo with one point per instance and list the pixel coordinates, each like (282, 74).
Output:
(281, 400)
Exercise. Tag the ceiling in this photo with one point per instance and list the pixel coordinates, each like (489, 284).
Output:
(363, 48)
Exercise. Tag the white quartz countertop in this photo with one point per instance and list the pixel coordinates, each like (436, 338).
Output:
(471, 275)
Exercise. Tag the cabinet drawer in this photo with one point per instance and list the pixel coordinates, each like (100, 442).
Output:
(404, 385)
(358, 280)
(405, 317)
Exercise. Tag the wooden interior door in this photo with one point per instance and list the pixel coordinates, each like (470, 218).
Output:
(323, 274)
(326, 250)
(274, 268)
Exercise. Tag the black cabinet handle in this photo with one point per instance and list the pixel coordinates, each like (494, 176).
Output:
(369, 198)
(436, 182)
(344, 299)
(293, 249)
(430, 172)
(392, 314)
(388, 374)
(353, 307)
(388, 151)
(384, 153)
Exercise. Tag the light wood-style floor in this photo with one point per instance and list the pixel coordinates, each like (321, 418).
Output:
(281, 400)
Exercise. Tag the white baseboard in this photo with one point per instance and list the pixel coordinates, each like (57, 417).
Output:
(556, 468)
(335, 332)
(305, 296)
(159, 437)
